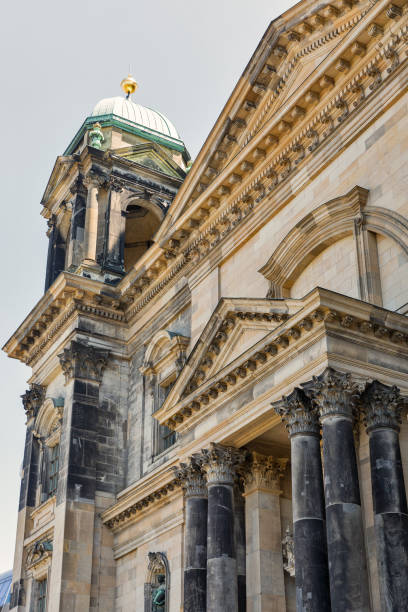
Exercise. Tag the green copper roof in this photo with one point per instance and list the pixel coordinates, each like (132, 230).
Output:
(133, 118)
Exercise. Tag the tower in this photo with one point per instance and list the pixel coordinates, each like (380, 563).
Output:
(106, 197)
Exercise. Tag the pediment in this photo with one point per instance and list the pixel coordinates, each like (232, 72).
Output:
(152, 157)
(234, 327)
(60, 171)
(292, 70)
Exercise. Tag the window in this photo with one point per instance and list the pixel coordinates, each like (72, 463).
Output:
(53, 470)
(41, 603)
(163, 437)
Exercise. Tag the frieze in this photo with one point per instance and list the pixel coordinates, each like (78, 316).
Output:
(272, 349)
(319, 128)
(128, 515)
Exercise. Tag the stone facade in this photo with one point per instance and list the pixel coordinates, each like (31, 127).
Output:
(217, 411)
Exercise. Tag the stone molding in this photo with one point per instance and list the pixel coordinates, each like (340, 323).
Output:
(191, 479)
(298, 413)
(263, 473)
(322, 316)
(82, 361)
(381, 406)
(334, 393)
(33, 399)
(220, 463)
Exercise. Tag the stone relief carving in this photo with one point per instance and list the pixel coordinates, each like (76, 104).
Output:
(288, 552)
(220, 463)
(191, 479)
(264, 472)
(381, 406)
(298, 413)
(333, 392)
(157, 585)
(81, 361)
(32, 399)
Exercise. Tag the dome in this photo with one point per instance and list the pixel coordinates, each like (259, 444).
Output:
(136, 113)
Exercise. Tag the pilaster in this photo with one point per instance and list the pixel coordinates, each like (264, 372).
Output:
(265, 578)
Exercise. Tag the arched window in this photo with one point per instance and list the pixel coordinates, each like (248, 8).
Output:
(164, 358)
(142, 222)
(48, 433)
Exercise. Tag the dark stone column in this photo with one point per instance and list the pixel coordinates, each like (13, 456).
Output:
(219, 464)
(334, 393)
(309, 531)
(240, 543)
(195, 536)
(382, 414)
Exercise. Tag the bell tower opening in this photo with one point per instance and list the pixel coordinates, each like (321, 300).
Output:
(142, 222)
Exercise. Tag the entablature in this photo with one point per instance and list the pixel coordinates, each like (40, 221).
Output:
(322, 315)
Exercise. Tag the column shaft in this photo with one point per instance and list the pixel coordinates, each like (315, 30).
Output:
(382, 417)
(309, 530)
(195, 547)
(333, 392)
(91, 221)
(240, 546)
(222, 589)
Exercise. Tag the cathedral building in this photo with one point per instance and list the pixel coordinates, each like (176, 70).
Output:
(217, 412)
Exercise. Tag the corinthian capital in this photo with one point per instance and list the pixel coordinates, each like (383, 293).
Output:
(264, 472)
(298, 413)
(93, 180)
(191, 479)
(81, 361)
(334, 393)
(381, 406)
(220, 463)
(32, 399)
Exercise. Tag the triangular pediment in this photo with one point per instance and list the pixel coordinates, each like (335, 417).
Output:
(153, 157)
(235, 326)
(59, 173)
(304, 53)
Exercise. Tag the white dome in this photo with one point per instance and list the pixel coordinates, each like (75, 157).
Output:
(143, 116)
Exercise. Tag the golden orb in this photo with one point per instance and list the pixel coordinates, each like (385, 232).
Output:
(128, 85)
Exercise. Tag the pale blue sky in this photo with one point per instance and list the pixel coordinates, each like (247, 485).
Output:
(58, 60)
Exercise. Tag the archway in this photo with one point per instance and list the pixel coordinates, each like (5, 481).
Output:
(142, 222)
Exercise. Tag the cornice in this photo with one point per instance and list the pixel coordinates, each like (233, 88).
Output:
(317, 314)
(221, 216)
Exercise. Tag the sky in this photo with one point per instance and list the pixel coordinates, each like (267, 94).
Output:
(57, 61)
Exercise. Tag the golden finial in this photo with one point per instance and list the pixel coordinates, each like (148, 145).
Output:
(128, 85)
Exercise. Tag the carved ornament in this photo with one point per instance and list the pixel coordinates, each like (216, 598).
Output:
(32, 400)
(298, 413)
(381, 406)
(220, 463)
(191, 479)
(263, 472)
(334, 393)
(82, 361)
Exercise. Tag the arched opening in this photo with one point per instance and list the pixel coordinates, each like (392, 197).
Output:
(141, 225)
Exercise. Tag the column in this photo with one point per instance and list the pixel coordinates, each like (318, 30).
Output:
(195, 536)
(93, 182)
(115, 229)
(309, 529)
(334, 393)
(240, 543)
(382, 414)
(220, 464)
(264, 567)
